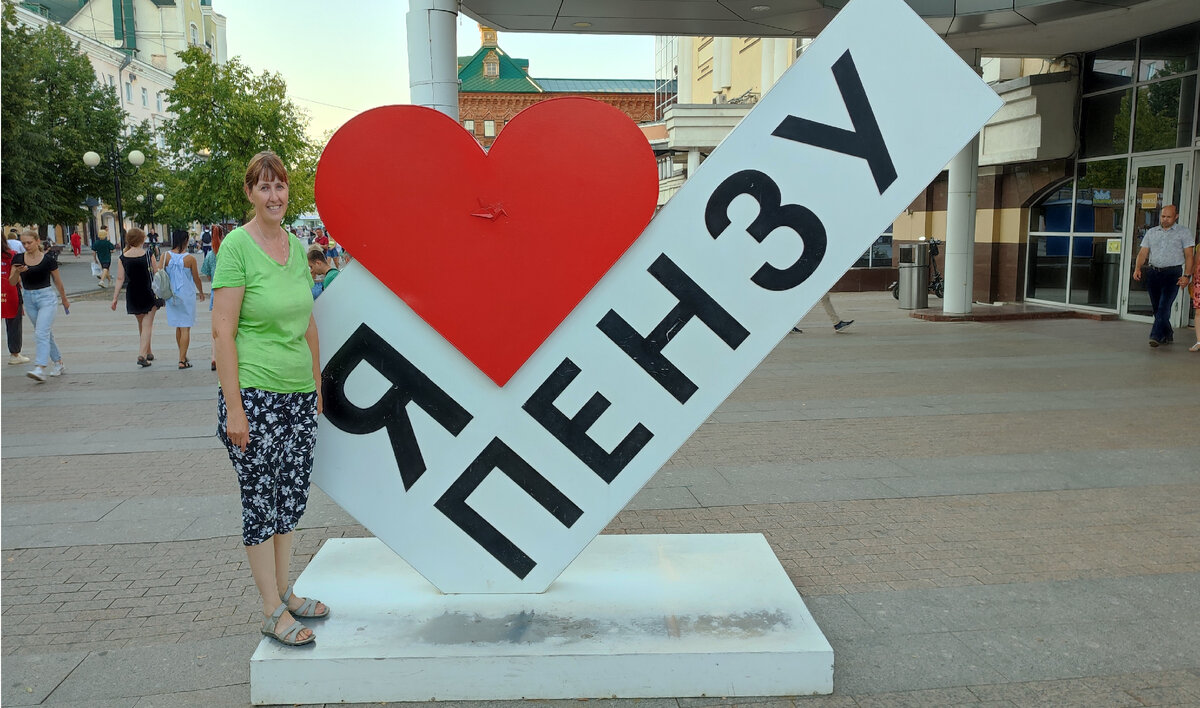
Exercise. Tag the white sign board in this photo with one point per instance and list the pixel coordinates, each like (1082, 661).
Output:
(496, 489)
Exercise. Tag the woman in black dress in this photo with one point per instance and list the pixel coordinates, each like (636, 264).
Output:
(137, 264)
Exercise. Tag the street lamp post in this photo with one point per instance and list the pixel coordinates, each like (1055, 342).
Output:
(148, 201)
(136, 158)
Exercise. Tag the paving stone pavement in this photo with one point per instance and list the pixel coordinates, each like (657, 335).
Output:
(982, 514)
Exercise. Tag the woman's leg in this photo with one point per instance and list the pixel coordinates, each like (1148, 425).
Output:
(41, 312)
(143, 335)
(264, 568)
(183, 337)
(12, 327)
(147, 332)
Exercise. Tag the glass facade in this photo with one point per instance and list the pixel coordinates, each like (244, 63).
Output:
(666, 73)
(1139, 98)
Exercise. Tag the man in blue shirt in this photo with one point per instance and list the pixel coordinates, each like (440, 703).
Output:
(1166, 258)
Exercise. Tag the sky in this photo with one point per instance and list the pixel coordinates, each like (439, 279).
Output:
(342, 58)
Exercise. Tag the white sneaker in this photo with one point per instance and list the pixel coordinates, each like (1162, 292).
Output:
(37, 373)
(18, 359)
(58, 368)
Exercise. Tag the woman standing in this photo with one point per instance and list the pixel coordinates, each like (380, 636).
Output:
(37, 270)
(268, 364)
(208, 269)
(12, 309)
(102, 251)
(137, 264)
(1196, 297)
(185, 290)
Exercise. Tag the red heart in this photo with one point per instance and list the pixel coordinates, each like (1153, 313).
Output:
(492, 249)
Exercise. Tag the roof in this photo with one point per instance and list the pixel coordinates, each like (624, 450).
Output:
(597, 85)
(513, 76)
(60, 11)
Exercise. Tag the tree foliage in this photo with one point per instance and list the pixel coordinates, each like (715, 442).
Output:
(52, 110)
(224, 115)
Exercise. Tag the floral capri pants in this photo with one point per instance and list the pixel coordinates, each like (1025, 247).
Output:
(274, 470)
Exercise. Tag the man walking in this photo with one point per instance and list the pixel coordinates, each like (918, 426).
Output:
(1166, 258)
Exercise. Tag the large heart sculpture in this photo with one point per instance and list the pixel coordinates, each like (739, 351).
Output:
(492, 249)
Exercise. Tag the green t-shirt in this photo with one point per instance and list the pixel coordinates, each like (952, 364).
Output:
(272, 352)
(103, 249)
(329, 276)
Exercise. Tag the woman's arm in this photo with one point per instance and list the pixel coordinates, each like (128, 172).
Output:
(195, 275)
(62, 292)
(227, 308)
(120, 282)
(314, 346)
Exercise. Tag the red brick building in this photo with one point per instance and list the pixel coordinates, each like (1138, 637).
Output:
(494, 87)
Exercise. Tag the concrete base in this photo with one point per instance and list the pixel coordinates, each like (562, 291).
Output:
(632, 617)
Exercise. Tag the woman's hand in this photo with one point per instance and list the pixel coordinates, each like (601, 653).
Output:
(200, 297)
(113, 305)
(320, 399)
(237, 428)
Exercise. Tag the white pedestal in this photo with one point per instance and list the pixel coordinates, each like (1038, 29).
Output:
(635, 616)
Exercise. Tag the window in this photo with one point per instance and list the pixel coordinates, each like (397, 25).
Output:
(158, 101)
(491, 67)
(195, 34)
(489, 129)
(1105, 129)
(879, 255)
(145, 97)
(469, 125)
(129, 92)
(1163, 115)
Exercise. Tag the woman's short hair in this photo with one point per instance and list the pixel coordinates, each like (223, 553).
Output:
(265, 165)
(103, 235)
(134, 237)
(179, 239)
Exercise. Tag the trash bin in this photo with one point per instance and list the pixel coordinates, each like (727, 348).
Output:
(914, 276)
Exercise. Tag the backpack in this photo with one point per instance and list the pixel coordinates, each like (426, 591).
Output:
(160, 283)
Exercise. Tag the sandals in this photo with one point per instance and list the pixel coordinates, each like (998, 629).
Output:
(308, 610)
(185, 364)
(143, 362)
(1195, 347)
(150, 356)
(289, 636)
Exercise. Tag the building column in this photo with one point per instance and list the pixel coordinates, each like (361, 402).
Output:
(784, 51)
(693, 162)
(686, 47)
(722, 75)
(767, 71)
(960, 221)
(433, 55)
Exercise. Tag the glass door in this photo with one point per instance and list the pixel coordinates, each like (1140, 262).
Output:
(1155, 182)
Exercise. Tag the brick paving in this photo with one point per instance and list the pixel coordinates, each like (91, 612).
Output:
(819, 400)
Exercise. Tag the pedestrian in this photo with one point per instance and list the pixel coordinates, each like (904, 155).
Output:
(37, 271)
(137, 265)
(206, 241)
(185, 290)
(14, 241)
(322, 272)
(152, 239)
(838, 323)
(76, 242)
(102, 251)
(268, 364)
(12, 310)
(1196, 296)
(208, 269)
(1166, 256)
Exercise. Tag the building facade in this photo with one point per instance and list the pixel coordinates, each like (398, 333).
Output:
(1073, 169)
(494, 87)
(132, 45)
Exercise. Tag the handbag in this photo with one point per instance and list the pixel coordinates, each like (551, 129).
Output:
(96, 269)
(160, 283)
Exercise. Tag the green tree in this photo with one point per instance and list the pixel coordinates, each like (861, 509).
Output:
(151, 178)
(52, 110)
(224, 115)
